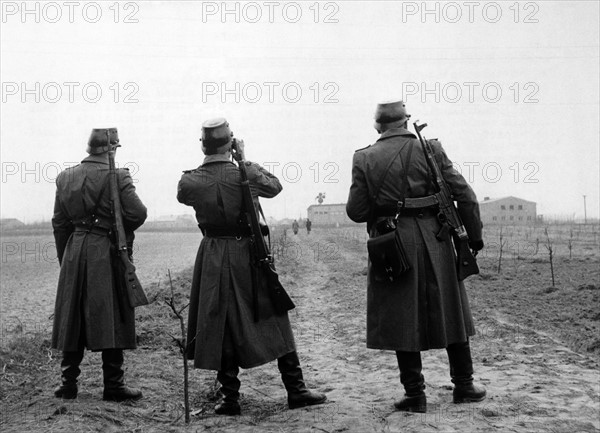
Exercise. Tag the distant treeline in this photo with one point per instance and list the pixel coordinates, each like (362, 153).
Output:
(155, 226)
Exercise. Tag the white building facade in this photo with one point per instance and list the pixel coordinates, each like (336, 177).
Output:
(508, 210)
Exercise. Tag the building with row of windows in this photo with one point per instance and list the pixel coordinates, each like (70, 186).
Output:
(507, 210)
(329, 215)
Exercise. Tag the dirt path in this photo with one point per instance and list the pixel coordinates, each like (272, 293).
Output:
(534, 383)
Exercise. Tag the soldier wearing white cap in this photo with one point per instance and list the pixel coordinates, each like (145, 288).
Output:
(223, 334)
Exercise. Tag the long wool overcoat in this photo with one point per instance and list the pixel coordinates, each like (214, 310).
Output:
(89, 310)
(221, 294)
(427, 307)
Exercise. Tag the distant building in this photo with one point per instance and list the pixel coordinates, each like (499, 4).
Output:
(10, 223)
(329, 215)
(171, 222)
(508, 210)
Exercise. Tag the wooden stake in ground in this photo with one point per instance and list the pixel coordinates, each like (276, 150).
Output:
(182, 344)
(550, 253)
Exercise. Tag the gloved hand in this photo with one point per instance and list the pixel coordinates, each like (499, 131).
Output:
(130, 251)
(476, 245)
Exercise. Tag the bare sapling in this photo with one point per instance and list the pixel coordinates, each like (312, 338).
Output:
(501, 242)
(570, 245)
(183, 346)
(550, 253)
(517, 257)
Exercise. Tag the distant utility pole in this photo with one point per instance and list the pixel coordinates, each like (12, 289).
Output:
(584, 211)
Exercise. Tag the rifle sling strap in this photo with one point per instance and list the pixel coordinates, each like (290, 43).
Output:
(404, 187)
(262, 214)
(104, 185)
(430, 157)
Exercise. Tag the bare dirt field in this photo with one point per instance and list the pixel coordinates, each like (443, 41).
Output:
(536, 350)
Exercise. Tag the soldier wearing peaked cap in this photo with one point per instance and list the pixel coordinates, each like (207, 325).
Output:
(222, 332)
(90, 311)
(426, 307)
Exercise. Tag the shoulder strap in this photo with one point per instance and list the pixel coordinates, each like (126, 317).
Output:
(382, 178)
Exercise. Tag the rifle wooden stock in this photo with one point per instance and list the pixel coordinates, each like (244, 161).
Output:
(466, 264)
(279, 297)
(262, 261)
(126, 270)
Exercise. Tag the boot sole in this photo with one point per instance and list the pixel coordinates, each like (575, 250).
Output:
(228, 409)
(120, 399)
(306, 403)
(66, 397)
(230, 413)
(414, 409)
(468, 399)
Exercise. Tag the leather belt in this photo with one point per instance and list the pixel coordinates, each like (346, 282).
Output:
(420, 202)
(412, 203)
(422, 212)
(227, 232)
(96, 230)
(94, 221)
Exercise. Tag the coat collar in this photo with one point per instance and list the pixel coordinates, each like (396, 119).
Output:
(101, 158)
(395, 133)
(219, 157)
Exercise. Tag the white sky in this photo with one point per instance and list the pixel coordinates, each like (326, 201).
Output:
(538, 139)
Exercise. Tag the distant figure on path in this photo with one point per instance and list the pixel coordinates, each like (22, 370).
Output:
(91, 310)
(222, 332)
(308, 225)
(295, 227)
(426, 307)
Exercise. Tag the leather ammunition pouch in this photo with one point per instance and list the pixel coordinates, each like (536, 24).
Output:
(386, 252)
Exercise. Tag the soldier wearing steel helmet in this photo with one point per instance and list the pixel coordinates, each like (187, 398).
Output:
(90, 311)
(222, 332)
(427, 307)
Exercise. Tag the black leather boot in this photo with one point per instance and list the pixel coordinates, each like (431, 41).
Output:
(291, 375)
(228, 377)
(414, 399)
(69, 373)
(461, 372)
(114, 384)
(230, 391)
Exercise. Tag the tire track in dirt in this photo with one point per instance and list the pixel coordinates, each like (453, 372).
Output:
(331, 283)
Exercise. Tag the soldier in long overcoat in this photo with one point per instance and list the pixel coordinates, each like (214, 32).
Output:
(223, 334)
(90, 310)
(427, 307)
